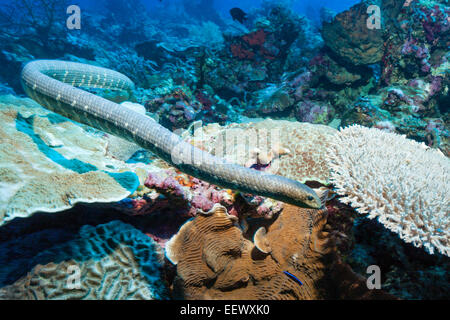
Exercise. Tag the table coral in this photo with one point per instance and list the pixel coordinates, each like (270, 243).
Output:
(305, 142)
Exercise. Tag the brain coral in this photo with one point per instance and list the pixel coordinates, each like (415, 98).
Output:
(402, 182)
(48, 163)
(215, 261)
(114, 261)
(292, 258)
(350, 38)
(295, 150)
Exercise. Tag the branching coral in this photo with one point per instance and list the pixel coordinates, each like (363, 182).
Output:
(399, 181)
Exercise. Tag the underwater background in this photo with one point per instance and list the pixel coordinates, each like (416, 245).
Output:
(347, 98)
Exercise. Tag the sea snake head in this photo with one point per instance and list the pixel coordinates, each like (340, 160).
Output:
(301, 195)
(308, 199)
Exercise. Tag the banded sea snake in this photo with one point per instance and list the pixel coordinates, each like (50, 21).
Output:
(54, 84)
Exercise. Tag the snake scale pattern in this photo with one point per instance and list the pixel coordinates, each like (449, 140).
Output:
(55, 85)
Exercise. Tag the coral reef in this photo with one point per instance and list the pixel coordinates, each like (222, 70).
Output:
(223, 257)
(216, 82)
(407, 191)
(166, 189)
(40, 18)
(407, 271)
(180, 107)
(252, 59)
(273, 100)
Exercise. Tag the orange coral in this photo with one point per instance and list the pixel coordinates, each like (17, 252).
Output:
(185, 180)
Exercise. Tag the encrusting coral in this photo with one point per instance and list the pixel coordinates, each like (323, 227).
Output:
(403, 183)
(110, 261)
(215, 260)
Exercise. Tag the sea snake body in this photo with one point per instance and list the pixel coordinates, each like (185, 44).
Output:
(53, 84)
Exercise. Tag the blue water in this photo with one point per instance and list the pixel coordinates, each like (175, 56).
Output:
(309, 8)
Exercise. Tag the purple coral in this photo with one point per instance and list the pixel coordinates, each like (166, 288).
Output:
(168, 186)
(435, 22)
(301, 79)
(309, 111)
(435, 86)
(411, 47)
(201, 202)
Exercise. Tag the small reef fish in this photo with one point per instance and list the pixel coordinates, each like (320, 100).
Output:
(238, 15)
(290, 275)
